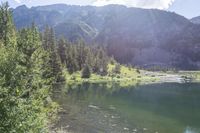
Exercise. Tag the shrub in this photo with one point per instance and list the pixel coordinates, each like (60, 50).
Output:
(86, 73)
(138, 71)
(117, 69)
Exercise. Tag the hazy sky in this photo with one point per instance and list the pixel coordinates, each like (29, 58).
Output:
(187, 8)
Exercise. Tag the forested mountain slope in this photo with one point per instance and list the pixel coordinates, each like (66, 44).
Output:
(142, 37)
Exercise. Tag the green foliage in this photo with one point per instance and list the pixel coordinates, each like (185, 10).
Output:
(22, 95)
(75, 55)
(101, 62)
(86, 72)
(53, 60)
(62, 50)
(138, 71)
(117, 69)
(7, 29)
(30, 64)
(71, 64)
(112, 60)
(81, 54)
(23, 88)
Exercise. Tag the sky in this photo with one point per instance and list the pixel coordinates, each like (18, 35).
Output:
(187, 8)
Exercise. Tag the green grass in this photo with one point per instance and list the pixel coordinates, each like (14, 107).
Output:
(128, 76)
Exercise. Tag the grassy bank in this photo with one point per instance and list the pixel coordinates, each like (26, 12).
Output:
(127, 76)
(132, 76)
(192, 74)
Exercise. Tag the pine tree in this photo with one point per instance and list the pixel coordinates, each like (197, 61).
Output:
(81, 54)
(28, 42)
(45, 38)
(22, 91)
(117, 69)
(102, 62)
(89, 57)
(62, 50)
(72, 64)
(7, 29)
(86, 72)
(49, 45)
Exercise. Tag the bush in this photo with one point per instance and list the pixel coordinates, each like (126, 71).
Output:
(112, 61)
(73, 77)
(118, 76)
(117, 69)
(138, 71)
(86, 72)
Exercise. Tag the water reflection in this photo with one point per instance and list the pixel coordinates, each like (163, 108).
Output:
(164, 108)
(190, 130)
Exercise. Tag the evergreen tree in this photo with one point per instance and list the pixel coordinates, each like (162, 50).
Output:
(81, 54)
(62, 50)
(117, 69)
(90, 57)
(7, 29)
(49, 45)
(72, 64)
(86, 72)
(22, 91)
(46, 39)
(102, 62)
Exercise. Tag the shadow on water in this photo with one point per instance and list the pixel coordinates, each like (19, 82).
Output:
(162, 108)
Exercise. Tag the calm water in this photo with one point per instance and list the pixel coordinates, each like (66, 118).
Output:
(108, 108)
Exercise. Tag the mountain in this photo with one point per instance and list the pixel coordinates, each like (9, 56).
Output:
(195, 20)
(142, 37)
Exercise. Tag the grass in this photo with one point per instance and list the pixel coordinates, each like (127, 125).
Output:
(128, 76)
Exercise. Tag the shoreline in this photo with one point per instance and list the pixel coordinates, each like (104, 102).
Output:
(144, 77)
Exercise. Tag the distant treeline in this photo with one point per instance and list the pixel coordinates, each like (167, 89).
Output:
(74, 56)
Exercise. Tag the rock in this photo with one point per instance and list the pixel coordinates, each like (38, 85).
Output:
(125, 128)
(135, 130)
(115, 117)
(114, 125)
(94, 107)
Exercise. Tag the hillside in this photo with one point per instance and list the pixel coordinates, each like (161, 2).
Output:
(195, 20)
(142, 37)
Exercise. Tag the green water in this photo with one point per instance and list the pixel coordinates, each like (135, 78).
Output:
(108, 108)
